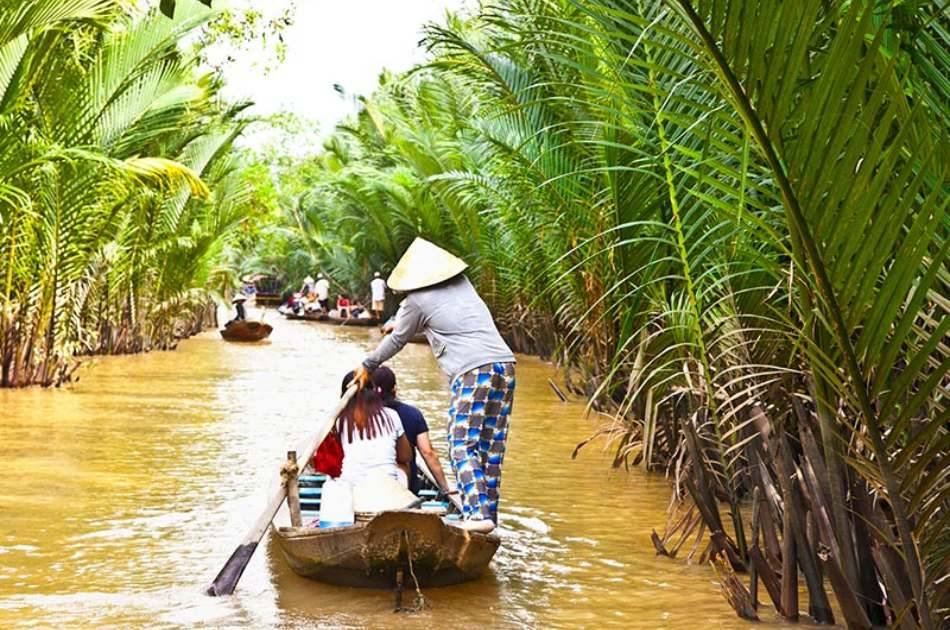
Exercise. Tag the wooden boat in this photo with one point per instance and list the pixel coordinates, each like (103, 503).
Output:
(351, 321)
(246, 331)
(419, 338)
(267, 299)
(312, 316)
(378, 553)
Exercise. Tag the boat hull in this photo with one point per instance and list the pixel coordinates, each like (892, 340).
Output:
(370, 554)
(351, 321)
(246, 331)
(267, 299)
(310, 317)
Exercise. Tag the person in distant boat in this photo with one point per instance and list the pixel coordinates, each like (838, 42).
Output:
(301, 298)
(322, 289)
(307, 287)
(414, 424)
(358, 311)
(372, 437)
(443, 304)
(378, 289)
(343, 306)
(240, 313)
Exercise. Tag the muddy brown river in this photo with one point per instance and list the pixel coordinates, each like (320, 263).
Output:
(122, 495)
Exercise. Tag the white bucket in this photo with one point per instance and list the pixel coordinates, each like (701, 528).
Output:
(336, 504)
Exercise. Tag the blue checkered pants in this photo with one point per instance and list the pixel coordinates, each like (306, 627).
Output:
(477, 432)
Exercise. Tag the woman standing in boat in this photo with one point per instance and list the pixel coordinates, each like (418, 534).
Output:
(444, 305)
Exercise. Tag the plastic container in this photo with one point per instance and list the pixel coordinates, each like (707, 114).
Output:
(336, 504)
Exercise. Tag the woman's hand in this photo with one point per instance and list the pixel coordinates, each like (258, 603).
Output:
(361, 376)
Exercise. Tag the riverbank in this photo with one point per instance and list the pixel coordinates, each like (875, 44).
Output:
(141, 477)
(21, 368)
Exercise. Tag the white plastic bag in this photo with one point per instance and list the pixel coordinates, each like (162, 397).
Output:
(336, 504)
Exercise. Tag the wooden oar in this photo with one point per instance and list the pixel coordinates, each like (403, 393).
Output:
(230, 573)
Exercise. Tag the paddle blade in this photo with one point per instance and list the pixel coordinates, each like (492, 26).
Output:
(231, 572)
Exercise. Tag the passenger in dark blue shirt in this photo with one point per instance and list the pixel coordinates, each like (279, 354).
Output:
(414, 424)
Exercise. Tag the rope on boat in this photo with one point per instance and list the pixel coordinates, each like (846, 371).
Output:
(288, 471)
(420, 602)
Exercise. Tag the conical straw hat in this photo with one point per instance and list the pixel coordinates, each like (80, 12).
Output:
(423, 265)
(378, 492)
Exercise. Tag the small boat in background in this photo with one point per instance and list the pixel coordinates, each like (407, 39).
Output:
(312, 316)
(352, 321)
(266, 288)
(246, 331)
(267, 299)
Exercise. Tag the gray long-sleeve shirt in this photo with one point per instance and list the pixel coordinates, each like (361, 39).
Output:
(458, 325)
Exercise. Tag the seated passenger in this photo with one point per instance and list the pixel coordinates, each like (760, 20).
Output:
(372, 437)
(311, 305)
(343, 306)
(307, 285)
(414, 424)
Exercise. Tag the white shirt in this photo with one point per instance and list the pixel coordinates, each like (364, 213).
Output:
(362, 457)
(378, 285)
(323, 289)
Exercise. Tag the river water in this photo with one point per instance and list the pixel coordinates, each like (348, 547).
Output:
(121, 496)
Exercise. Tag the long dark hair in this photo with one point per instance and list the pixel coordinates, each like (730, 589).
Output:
(364, 413)
(385, 382)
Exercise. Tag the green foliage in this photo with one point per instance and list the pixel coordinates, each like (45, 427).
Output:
(119, 194)
(725, 219)
(230, 33)
(168, 6)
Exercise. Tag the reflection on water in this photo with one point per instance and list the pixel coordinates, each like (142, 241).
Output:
(122, 495)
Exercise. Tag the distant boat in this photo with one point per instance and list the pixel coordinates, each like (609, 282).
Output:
(246, 331)
(266, 288)
(352, 321)
(267, 299)
(312, 316)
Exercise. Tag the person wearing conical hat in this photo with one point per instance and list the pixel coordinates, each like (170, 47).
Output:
(442, 303)
(241, 313)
